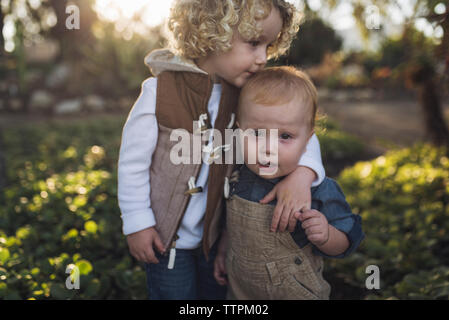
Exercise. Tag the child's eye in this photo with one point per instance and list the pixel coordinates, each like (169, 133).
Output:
(254, 43)
(285, 136)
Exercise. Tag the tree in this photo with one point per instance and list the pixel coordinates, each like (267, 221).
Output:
(2, 71)
(313, 41)
(70, 41)
(421, 77)
(420, 72)
(2, 40)
(2, 164)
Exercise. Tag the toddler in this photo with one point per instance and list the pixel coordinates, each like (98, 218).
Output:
(260, 264)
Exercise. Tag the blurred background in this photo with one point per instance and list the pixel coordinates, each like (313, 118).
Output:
(382, 71)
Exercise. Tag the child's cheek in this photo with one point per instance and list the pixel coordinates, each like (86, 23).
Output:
(288, 155)
(250, 147)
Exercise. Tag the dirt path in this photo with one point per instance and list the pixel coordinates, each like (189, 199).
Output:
(381, 124)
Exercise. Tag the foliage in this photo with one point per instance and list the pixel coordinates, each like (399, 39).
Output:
(403, 198)
(102, 60)
(388, 66)
(313, 41)
(114, 65)
(34, 19)
(398, 52)
(338, 149)
(60, 208)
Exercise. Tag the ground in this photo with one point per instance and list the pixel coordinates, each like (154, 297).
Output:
(381, 124)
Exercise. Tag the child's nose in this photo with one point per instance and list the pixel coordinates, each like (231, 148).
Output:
(268, 145)
(261, 58)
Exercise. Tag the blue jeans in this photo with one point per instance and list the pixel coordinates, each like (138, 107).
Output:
(191, 278)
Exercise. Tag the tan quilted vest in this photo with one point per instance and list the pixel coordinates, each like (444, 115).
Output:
(181, 98)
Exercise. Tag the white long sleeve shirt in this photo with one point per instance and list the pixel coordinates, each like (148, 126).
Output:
(139, 139)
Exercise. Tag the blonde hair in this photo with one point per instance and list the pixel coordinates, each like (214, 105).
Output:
(200, 27)
(279, 85)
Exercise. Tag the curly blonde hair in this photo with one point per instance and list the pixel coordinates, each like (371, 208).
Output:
(200, 27)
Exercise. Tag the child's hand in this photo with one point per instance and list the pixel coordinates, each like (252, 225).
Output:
(293, 194)
(315, 226)
(141, 245)
(220, 261)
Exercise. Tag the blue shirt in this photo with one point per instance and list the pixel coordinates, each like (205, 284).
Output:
(327, 198)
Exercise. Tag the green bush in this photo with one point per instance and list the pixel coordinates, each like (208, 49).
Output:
(395, 55)
(305, 50)
(60, 208)
(403, 199)
(338, 149)
(112, 57)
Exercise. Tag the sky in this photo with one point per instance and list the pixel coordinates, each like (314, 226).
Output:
(155, 11)
(340, 18)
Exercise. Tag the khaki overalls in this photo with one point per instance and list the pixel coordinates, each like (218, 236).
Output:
(268, 265)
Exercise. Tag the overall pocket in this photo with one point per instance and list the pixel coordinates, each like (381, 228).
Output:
(297, 286)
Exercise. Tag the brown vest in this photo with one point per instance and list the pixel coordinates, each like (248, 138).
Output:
(181, 98)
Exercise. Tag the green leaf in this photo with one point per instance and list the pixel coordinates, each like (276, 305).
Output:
(91, 227)
(12, 295)
(59, 291)
(93, 288)
(3, 289)
(4, 255)
(35, 271)
(23, 233)
(84, 266)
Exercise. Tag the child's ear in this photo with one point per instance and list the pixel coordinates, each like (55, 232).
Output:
(311, 133)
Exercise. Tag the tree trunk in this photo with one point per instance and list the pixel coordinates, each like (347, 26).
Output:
(423, 78)
(2, 39)
(71, 40)
(436, 128)
(2, 164)
(59, 31)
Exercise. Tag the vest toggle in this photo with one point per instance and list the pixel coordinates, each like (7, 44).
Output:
(201, 124)
(215, 153)
(231, 123)
(226, 188)
(235, 176)
(172, 256)
(192, 189)
(227, 184)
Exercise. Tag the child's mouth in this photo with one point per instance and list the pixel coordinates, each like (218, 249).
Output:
(267, 169)
(264, 165)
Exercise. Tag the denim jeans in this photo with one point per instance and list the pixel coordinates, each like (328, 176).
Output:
(191, 278)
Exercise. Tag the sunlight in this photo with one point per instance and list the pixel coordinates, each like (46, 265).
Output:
(153, 11)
